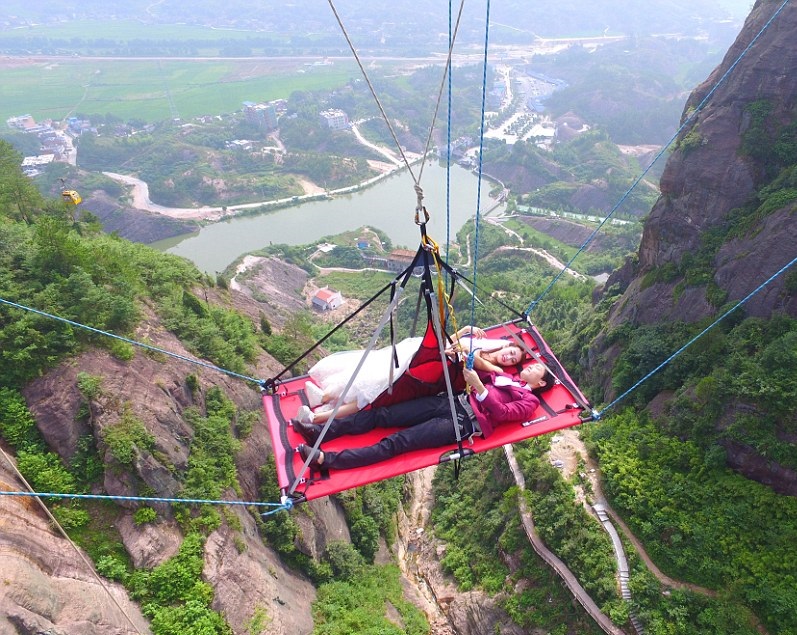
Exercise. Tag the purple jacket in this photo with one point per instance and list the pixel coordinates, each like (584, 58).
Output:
(503, 404)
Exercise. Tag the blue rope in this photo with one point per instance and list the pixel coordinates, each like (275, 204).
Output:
(285, 505)
(481, 159)
(145, 499)
(656, 158)
(133, 342)
(597, 415)
(448, 136)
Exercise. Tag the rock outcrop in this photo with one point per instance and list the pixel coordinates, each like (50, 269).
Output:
(710, 188)
(708, 176)
(45, 587)
(449, 611)
(134, 224)
(45, 584)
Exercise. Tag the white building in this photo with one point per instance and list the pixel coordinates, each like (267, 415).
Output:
(335, 119)
(327, 299)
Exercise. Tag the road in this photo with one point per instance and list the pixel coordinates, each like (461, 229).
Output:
(569, 448)
(551, 260)
(388, 154)
(141, 199)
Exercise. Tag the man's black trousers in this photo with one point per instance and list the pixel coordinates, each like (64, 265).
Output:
(426, 421)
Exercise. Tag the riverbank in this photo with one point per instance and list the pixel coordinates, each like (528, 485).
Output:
(313, 192)
(388, 205)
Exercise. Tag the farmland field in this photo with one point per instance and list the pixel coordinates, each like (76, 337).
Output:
(59, 87)
(126, 30)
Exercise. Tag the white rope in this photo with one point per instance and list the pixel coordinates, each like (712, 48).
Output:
(373, 91)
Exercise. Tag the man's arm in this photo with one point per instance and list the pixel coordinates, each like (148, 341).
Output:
(520, 407)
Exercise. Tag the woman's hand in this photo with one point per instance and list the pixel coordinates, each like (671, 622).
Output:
(474, 331)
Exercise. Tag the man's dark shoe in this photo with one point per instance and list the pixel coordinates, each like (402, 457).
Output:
(309, 431)
(306, 451)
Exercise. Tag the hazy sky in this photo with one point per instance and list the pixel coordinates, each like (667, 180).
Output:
(422, 21)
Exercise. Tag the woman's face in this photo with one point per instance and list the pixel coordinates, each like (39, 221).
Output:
(508, 356)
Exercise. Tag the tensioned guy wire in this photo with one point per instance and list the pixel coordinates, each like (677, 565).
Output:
(130, 341)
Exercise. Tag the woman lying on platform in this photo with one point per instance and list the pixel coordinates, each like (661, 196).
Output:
(331, 374)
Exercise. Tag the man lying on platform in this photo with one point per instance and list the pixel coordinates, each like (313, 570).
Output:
(494, 399)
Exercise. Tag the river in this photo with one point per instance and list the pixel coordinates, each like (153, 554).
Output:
(389, 205)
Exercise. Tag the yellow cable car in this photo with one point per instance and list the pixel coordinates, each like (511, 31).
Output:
(71, 197)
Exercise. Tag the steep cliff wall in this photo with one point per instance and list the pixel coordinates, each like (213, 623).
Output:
(711, 174)
(725, 221)
(46, 586)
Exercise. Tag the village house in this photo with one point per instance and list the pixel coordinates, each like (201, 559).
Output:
(400, 259)
(327, 299)
(335, 119)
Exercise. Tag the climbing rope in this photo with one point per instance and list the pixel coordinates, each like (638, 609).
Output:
(145, 499)
(598, 414)
(443, 300)
(379, 102)
(448, 139)
(371, 87)
(636, 182)
(479, 183)
(130, 341)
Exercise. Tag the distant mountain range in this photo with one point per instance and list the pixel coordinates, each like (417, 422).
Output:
(396, 27)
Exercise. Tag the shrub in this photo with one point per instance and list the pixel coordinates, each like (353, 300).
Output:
(123, 351)
(691, 140)
(127, 437)
(192, 381)
(45, 472)
(17, 425)
(86, 465)
(90, 386)
(365, 537)
(70, 517)
(345, 560)
(358, 605)
(144, 515)
(112, 568)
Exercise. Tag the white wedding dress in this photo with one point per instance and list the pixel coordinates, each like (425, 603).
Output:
(334, 371)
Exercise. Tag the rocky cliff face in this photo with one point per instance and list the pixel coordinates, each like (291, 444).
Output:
(45, 586)
(708, 176)
(134, 224)
(714, 182)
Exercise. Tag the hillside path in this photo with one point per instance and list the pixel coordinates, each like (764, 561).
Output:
(550, 558)
(569, 448)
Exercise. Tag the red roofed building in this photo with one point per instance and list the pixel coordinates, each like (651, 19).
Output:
(327, 299)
